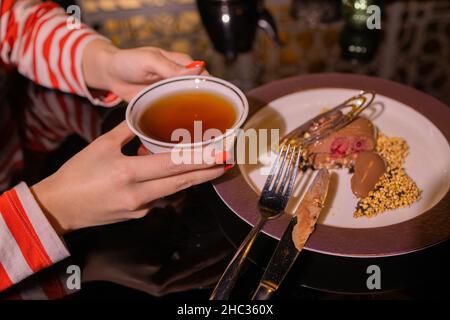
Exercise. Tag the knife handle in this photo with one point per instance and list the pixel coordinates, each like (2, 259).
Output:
(263, 292)
(226, 283)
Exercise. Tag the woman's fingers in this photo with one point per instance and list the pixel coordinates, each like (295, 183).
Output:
(191, 71)
(164, 66)
(142, 151)
(121, 134)
(161, 165)
(178, 57)
(191, 67)
(148, 191)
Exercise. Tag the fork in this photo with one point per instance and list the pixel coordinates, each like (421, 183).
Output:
(274, 197)
(330, 121)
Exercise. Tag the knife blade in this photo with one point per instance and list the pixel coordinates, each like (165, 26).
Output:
(295, 236)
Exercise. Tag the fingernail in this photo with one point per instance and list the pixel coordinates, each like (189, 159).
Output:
(110, 97)
(221, 157)
(196, 64)
(142, 150)
(228, 167)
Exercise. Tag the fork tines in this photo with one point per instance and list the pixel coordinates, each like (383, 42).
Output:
(283, 173)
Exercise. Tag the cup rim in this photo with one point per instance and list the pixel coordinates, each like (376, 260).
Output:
(227, 133)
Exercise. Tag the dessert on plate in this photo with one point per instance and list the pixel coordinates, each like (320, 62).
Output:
(379, 180)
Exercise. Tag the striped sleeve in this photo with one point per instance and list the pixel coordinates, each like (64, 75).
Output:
(28, 243)
(54, 116)
(35, 38)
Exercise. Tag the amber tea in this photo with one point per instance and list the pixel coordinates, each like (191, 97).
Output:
(179, 111)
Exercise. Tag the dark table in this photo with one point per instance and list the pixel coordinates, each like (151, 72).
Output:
(180, 249)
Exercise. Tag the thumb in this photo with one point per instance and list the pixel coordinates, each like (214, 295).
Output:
(191, 71)
(166, 68)
(194, 68)
(121, 134)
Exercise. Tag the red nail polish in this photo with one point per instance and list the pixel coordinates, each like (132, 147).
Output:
(142, 150)
(221, 157)
(110, 97)
(196, 64)
(228, 167)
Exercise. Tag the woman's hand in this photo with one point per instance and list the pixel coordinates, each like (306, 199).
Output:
(126, 72)
(100, 185)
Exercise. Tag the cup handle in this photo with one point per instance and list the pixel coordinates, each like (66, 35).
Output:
(268, 24)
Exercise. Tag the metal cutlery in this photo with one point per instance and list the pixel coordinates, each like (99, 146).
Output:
(272, 202)
(297, 233)
(332, 120)
(277, 192)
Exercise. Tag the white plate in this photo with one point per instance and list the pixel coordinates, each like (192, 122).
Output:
(428, 162)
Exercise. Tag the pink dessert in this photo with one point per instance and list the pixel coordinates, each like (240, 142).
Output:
(340, 149)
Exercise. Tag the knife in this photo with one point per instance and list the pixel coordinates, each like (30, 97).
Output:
(294, 238)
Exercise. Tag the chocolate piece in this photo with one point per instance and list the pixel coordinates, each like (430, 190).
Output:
(369, 168)
(339, 149)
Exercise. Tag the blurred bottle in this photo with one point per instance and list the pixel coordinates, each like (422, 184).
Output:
(359, 45)
(231, 24)
(359, 41)
(356, 13)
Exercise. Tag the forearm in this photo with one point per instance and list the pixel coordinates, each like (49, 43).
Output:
(96, 63)
(47, 199)
(35, 39)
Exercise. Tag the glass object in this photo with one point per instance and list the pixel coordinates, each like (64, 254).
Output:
(359, 45)
(232, 24)
(355, 12)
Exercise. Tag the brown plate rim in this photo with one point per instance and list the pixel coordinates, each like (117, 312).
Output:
(427, 229)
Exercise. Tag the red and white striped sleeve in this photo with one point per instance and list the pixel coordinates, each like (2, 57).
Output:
(35, 38)
(28, 243)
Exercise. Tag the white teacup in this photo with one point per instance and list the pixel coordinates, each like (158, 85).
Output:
(144, 99)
